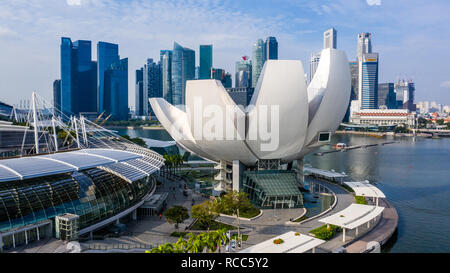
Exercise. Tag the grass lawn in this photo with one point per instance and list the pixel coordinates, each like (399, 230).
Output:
(360, 200)
(324, 233)
(214, 226)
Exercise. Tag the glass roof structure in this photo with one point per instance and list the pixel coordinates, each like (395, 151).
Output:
(43, 165)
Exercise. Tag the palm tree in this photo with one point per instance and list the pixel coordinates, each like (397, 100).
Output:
(221, 235)
(195, 243)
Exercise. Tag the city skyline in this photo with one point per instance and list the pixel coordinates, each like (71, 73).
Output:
(404, 54)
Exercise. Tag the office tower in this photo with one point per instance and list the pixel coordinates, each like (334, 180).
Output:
(107, 54)
(227, 81)
(364, 44)
(206, 61)
(313, 64)
(152, 84)
(330, 38)
(68, 68)
(218, 74)
(368, 83)
(354, 89)
(139, 95)
(355, 76)
(78, 77)
(258, 61)
(243, 76)
(405, 93)
(271, 49)
(56, 96)
(166, 74)
(183, 69)
(115, 101)
(386, 95)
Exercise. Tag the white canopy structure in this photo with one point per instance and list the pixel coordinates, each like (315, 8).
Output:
(325, 173)
(364, 188)
(353, 216)
(292, 244)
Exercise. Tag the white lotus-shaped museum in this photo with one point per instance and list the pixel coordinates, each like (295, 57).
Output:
(305, 113)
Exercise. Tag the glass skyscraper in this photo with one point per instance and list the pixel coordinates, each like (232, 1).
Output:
(386, 95)
(166, 74)
(57, 96)
(183, 69)
(152, 84)
(107, 54)
(258, 60)
(271, 49)
(243, 77)
(139, 95)
(78, 78)
(368, 73)
(116, 90)
(206, 62)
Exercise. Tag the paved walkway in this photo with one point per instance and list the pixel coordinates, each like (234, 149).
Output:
(151, 230)
(381, 232)
(272, 222)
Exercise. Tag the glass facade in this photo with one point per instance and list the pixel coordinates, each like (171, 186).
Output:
(386, 95)
(116, 90)
(166, 74)
(152, 84)
(271, 49)
(369, 74)
(183, 69)
(243, 77)
(270, 189)
(94, 195)
(78, 78)
(206, 62)
(258, 61)
(107, 54)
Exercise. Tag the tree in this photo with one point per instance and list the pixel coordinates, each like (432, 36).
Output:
(176, 215)
(164, 248)
(205, 213)
(232, 202)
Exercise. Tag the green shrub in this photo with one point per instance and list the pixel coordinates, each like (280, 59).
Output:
(304, 217)
(360, 200)
(325, 233)
(178, 234)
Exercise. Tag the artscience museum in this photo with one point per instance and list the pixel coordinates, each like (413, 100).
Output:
(255, 147)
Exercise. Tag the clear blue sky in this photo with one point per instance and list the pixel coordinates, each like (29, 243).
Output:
(412, 36)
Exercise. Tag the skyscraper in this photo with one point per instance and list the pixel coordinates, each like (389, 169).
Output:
(364, 44)
(206, 61)
(78, 77)
(227, 81)
(183, 69)
(386, 95)
(57, 95)
(354, 88)
(107, 54)
(258, 60)
(166, 74)
(243, 76)
(152, 84)
(271, 49)
(330, 38)
(368, 83)
(115, 90)
(139, 95)
(313, 64)
(405, 94)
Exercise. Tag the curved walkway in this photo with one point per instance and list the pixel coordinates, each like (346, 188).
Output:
(380, 233)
